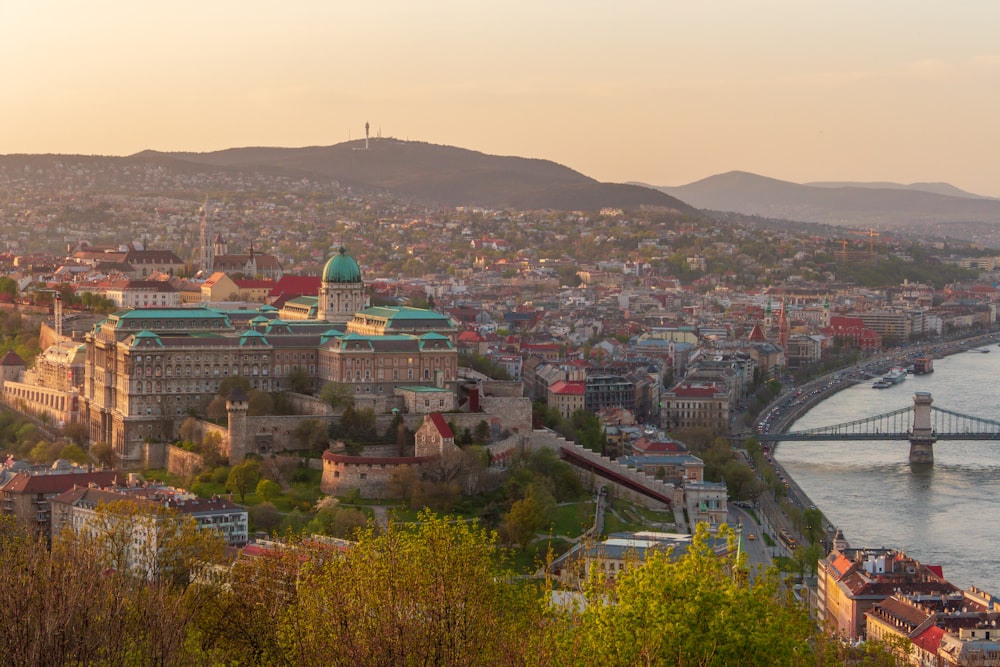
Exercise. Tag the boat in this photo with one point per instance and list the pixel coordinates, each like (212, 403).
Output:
(895, 375)
(881, 384)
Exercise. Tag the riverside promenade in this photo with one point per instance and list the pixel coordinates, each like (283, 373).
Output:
(781, 413)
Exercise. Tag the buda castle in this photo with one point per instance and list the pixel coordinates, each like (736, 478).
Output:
(145, 369)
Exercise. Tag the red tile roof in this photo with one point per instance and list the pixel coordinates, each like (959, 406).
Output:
(565, 388)
(930, 639)
(23, 482)
(441, 425)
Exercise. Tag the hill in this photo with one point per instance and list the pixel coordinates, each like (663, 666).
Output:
(438, 174)
(879, 205)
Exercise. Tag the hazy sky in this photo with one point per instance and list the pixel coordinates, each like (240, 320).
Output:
(660, 91)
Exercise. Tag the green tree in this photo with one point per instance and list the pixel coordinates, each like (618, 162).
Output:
(299, 381)
(103, 453)
(78, 432)
(243, 477)
(336, 394)
(268, 489)
(528, 516)
(431, 595)
(73, 452)
(259, 403)
(699, 609)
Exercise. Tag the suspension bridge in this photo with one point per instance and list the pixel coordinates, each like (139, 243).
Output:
(922, 424)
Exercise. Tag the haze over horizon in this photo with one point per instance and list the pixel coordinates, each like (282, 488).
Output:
(664, 93)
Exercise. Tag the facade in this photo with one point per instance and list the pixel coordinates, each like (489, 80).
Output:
(851, 582)
(386, 321)
(893, 325)
(27, 495)
(420, 400)
(696, 405)
(143, 294)
(51, 387)
(609, 391)
(77, 509)
(959, 629)
(567, 397)
(145, 368)
(706, 502)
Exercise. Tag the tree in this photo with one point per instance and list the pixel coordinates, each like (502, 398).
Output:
(243, 477)
(433, 595)
(151, 541)
(73, 452)
(216, 408)
(103, 453)
(227, 385)
(268, 489)
(336, 394)
(188, 430)
(259, 403)
(78, 432)
(299, 381)
(527, 516)
(714, 614)
(265, 517)
(312, 434)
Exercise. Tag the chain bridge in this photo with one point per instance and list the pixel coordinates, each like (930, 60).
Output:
(922, 424)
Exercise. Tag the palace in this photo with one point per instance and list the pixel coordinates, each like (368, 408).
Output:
(145, 369)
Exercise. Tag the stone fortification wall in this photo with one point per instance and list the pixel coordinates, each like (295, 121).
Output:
(371, 475)
(544, 438)
(272, 433)
(151, 455)
(303, 404)
(182, 462)
(502, 389)
(514, 412)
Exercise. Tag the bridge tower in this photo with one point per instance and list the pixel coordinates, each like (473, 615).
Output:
(922, 437)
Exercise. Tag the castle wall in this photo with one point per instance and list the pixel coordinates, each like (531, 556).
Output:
(182, 462)
(309, 405)
(515, 412)
(370, 475)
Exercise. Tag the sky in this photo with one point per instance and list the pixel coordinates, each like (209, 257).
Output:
(663, 92)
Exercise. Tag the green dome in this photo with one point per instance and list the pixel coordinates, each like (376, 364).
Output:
(341, 268)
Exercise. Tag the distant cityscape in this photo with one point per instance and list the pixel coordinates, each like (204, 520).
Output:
(401, 353)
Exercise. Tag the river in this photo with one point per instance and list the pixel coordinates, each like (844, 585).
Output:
(947, 515)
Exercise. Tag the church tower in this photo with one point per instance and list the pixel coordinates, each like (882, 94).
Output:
(206, 255)
(342, 292)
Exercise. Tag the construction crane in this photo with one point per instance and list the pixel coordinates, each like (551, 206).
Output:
(871, 234)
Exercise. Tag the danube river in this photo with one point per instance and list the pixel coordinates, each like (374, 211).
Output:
(948, 515)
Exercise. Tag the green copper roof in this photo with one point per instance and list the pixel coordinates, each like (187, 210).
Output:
(341, 268)
(402, 313)
(170, 313)
(146, 335)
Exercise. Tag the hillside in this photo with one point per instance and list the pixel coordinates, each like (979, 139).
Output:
(438, 174)
(879, 205)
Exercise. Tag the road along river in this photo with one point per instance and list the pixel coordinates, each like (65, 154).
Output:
(948, 514)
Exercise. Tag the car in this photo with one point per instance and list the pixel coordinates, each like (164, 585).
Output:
(751, 537)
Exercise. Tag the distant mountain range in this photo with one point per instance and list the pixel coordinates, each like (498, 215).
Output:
(853, 204)
(437, 174)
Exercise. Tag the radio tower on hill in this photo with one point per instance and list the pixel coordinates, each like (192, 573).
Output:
(366, 135)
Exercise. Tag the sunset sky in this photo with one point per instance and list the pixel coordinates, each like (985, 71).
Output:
(661, 91)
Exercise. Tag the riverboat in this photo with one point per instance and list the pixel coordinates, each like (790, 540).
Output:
(892, 378)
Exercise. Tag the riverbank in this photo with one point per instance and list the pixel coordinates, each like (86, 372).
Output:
(796, 402)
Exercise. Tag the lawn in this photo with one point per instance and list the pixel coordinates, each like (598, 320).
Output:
(573, 519)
